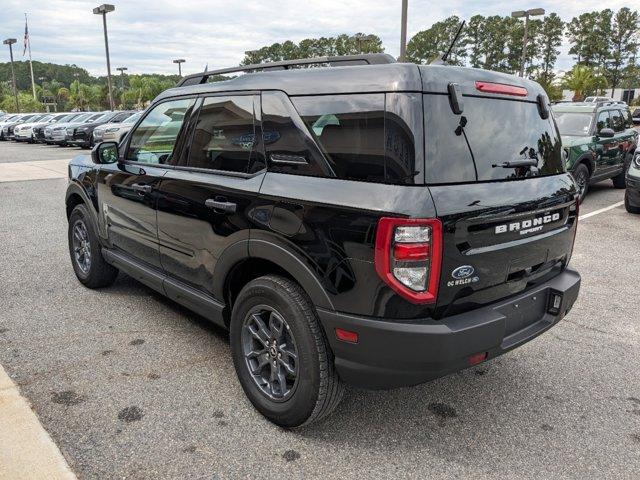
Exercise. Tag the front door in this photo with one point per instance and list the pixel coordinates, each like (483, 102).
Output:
(606, 148)
(203, 207)
(128, 189)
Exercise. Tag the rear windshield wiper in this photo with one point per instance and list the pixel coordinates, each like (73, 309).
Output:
(517, 163)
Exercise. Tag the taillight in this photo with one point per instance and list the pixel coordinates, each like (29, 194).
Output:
(501, 88)
(408, 254)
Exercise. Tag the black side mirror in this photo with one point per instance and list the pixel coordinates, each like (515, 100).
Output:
(105, 152)
(606, 133)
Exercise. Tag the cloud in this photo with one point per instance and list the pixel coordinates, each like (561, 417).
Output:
(146, 36)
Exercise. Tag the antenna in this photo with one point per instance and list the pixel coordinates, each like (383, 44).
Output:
(455, 39)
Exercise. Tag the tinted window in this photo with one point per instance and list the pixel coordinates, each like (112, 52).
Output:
(120, 117)
(225, 134)
(154, 139)
(289, 146)
(403, 130)
(618, 120)
(604, 121)
(473, 146)
(350, 131)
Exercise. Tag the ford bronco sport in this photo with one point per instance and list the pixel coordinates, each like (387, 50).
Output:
(364, 222)
(598, 141)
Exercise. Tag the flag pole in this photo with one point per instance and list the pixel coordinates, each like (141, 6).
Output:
(28, 40)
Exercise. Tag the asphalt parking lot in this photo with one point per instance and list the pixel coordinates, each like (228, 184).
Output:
(131, 385)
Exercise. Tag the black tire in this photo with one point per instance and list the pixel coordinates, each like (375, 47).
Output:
(317, 389)
(630, 208)
(581, 175)
(96, 273)
(619, 181)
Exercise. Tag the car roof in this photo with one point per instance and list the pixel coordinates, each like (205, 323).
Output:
(374, 78)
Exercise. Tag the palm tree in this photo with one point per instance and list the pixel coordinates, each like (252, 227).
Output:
(583, 80)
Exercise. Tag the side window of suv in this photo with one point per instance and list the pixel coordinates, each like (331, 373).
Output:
(617, 120)
(289, 146)
(154, 140)
(225, 134)
(350, 131)
(603, 121)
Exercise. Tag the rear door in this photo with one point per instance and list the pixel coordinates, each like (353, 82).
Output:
(504, 228)
(204, 203)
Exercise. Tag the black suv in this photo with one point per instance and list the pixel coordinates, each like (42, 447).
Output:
(368, 222)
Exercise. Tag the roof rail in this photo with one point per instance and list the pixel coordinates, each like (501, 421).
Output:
(339, 61)
(605, 103)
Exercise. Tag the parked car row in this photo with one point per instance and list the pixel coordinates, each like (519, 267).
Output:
(82, 129)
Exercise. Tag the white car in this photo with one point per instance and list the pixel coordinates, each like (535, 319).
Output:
(24, 131)
(115, 132)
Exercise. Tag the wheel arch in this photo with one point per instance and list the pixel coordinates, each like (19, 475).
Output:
(587, 160)
(249, 259)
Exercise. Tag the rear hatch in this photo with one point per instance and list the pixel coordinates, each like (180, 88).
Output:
(505, 227)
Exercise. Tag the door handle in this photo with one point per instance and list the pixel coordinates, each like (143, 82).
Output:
(221, 205)
(142, 188)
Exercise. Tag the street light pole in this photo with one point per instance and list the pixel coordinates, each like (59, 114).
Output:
(403, 31)
(526, 14)
(11, 41)
(103, 10)
(122, 70)
(179, 61)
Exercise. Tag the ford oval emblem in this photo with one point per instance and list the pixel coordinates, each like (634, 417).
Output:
(464, 271)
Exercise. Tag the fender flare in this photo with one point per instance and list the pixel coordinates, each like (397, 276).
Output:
(75, 189)
(589, 159)
(278, 254)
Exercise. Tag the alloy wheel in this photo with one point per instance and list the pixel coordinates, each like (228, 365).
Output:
(81, 246)
(270, 352)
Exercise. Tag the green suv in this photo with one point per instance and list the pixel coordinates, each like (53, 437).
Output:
(598, 139)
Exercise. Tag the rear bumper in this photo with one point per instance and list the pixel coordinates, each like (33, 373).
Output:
(393, 354)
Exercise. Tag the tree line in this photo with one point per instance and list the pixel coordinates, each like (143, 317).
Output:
(603, 43)
(69, 87)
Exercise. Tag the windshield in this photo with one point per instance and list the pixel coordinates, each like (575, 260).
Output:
(121, 117)
(82, 118)
(573, 123)
(46, 118)
(132, 119)
(103, 117)
(61, 118)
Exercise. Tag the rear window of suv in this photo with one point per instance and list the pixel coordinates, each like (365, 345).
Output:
(473, 146)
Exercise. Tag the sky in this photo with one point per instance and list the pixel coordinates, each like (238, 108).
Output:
(145, 36)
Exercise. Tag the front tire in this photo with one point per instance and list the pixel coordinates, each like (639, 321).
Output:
(85, 251)
(630, 208)
(619, 181)
(280, 353)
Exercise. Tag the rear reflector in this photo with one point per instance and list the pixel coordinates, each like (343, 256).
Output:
(501, 88)
(478, 358)
(411, 251)
(346, 335)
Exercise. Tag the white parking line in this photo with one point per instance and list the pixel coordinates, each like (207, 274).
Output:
(601, 210)
(26, 449)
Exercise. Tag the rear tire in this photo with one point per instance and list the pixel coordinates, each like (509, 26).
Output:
(86, 252)
(271, 312)
(630, 208)
(581, 176)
